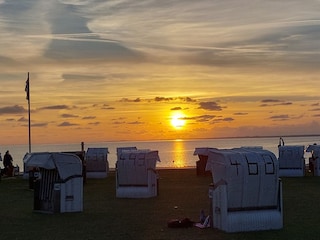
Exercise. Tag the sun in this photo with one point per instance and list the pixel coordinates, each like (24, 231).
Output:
(178, 120)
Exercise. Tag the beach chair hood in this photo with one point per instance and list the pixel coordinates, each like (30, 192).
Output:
(66, 164)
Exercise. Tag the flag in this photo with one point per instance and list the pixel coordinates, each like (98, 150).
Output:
(27, 88)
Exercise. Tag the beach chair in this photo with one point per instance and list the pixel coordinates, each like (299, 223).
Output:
(97, 165)
(246, 194)
(136, 175)
(202, 154)
(58, 187)
(291, 161)
(314, 161)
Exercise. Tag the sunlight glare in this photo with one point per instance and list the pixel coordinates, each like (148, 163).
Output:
(177, 120)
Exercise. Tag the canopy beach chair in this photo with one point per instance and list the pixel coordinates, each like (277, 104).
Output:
(59, 182)
(97, 165)
(136, 175)
(246, 193)
(291, 161)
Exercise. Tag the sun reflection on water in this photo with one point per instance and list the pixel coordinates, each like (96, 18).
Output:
(178, 154)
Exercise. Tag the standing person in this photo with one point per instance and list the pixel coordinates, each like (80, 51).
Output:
(7, 162)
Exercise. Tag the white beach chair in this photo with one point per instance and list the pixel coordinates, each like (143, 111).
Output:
(136, 175)
(246, 193)
(97, 165)
(291, 161)
(59, 183)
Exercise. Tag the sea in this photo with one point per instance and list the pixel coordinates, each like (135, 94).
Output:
(173, 153)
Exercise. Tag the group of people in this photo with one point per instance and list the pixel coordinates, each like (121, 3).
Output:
(8, 164)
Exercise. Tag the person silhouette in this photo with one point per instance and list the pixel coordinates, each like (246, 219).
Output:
(7, 163)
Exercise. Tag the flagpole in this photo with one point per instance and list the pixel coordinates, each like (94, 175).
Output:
(29, 120)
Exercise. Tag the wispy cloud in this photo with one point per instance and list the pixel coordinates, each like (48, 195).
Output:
(16, 109)
(281, 117)
(274, 102)
(219, 120)
(206, 30)
(67, 124)
(55, 107)
(66, 115)
(212, 106)
(89, 117)
(201, 118)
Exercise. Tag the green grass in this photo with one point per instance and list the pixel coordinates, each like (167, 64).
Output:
(107, 217)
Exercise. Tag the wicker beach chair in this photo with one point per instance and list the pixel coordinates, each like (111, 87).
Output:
(246, 193)
(136, 175)
(291, 161)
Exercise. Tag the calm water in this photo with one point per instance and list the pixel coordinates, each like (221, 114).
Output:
(173, 153)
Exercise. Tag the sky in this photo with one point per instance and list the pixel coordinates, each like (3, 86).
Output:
(147, 70)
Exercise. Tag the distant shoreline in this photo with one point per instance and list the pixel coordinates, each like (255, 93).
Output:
(181, 139)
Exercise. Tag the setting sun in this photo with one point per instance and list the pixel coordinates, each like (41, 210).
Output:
(177, 120)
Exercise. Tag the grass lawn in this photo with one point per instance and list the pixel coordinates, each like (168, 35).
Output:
(108, 217)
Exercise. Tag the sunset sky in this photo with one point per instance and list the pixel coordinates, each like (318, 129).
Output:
(168, 69)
